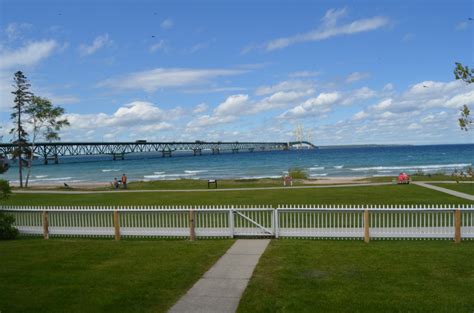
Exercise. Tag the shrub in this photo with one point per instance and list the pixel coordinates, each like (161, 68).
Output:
(5, 189)
(297, 173)
(7, 231)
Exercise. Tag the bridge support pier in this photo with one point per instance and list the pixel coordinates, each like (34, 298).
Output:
(117, 156)
(54, 158)
(251, 149)
(235, 150)
(197, 152)
(166, 153)
(216, 151)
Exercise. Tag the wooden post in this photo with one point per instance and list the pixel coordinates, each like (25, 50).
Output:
(457, 226)
(45, 225)
(192, 232)
(366, 226)
(116, 224)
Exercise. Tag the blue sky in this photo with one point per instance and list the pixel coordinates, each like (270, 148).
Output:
(347, 72)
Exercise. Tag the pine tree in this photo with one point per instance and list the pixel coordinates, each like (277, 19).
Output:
(22, 101)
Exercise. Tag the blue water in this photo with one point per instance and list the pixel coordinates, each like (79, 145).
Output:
(367, 161)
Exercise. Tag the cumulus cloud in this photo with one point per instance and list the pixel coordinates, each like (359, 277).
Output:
(98, 43)
(314, 106)
(15, 31)
(28, 55)
(135, 118)
(330, 27)
(200, 108)
(152, 80)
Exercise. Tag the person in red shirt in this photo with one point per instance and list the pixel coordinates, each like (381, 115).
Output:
(124, 181)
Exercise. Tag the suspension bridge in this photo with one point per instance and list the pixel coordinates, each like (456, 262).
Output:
(52, 151)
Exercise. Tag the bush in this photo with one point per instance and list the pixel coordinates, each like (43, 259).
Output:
(7, 231)
(5, 189)
(297, 173)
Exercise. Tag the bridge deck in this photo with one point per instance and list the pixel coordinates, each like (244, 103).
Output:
(56, 149)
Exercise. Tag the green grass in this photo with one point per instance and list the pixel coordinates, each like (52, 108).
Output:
(426, 177)
(83, 275)
(390, 194)
(348, 276)
(466, 187)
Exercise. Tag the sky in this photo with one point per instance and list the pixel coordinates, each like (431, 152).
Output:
(347, 72)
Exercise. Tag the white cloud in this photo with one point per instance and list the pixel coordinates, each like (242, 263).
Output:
(159, 46)
(15, 31)
(28, 55)
(356, 76)
(167, 24)
(291, 85)
(318, 105)
(388, 87)
(304, 74)
(330, 28)
(280, 99)
(154, 79)
(200, 108)
(360, 115)
(98, 43)
(233, 105)
(138, 118)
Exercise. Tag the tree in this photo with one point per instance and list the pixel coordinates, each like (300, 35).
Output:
(46, 121)
(22, 101)
(467, 75)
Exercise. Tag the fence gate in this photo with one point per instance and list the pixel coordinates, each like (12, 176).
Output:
(253, 222)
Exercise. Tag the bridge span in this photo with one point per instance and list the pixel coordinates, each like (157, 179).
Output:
(118, 150)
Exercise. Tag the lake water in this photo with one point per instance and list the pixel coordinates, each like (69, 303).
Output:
(366, 161)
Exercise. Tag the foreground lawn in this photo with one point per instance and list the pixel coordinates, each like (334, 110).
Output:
(350, 276)
(388, 194)
(466, 187)
(85, 275)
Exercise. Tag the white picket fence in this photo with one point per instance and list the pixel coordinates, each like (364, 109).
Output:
(357, 222)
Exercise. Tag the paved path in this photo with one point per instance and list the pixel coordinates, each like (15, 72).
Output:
(445, 190)
(197, 190)
(220, 289)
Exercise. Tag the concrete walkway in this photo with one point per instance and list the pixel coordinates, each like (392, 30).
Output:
(72, 192)
(220, 289)
(445, 190)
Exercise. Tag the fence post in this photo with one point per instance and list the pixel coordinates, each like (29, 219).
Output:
(45, 225)
(192, 232)
(366, 226)
(231, 222)
(275, 223)
(457, 226)
(116, 224)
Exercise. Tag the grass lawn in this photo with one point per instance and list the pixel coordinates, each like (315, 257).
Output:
(466, 187)
(86, 275)
(388, 194)
(350, 276)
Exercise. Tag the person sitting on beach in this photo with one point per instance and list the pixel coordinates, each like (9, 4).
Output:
(116, 183)
(124, 181)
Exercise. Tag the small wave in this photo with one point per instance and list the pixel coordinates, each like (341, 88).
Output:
(412, 167)
(195, 172)
(41, 176)
(338, 166)
(158, 173)
(316, 168)
(259, 177)
(59, 179)
(110, 170)
(166, 176)
(319, 175)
